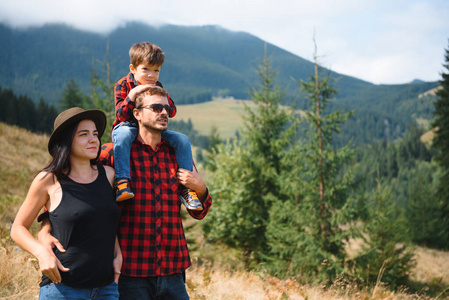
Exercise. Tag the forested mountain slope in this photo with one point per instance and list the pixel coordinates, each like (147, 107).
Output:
(201, 62)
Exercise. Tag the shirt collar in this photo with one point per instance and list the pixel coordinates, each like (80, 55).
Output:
(146, 146)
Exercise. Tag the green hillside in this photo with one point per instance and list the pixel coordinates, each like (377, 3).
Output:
(209, 60)
(202, 62)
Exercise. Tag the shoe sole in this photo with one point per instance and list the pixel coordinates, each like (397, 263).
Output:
(124, 196)
(200, 207)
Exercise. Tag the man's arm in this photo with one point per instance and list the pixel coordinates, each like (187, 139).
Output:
(44, 235)
(193, 180)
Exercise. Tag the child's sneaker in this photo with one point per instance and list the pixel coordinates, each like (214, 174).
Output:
(190, 199)
(123, 191)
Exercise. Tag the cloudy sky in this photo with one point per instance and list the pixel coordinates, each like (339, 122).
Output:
(381, 41)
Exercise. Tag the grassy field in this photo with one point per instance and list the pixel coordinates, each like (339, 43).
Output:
(225, 114)
(215, 274)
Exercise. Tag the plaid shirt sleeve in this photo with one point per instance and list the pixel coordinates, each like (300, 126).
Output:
(123, 105)
(106, 157)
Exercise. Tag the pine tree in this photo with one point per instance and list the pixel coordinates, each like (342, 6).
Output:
(237, 218)
(423, 208)
(46, 116)
(72, 95)
(102, 93)
(245, 179)
(384, 257)
(441, 144)
(318, 194)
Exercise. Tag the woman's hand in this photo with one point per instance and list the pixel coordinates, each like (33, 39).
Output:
(50, 265)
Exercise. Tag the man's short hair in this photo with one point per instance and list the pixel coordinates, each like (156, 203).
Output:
(146, 52)
(155, 90)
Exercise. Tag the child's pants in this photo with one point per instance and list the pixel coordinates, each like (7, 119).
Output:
(125, 133)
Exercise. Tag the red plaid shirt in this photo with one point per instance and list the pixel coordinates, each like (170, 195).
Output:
(151, 234)
(123, 105)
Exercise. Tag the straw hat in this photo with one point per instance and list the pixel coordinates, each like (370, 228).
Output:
(73, 115)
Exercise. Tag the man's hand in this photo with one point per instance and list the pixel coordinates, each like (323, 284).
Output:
(117, 264)
(193, 181)
(118, 260)
(46, 239)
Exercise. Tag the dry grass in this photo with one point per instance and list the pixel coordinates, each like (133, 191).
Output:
(428, 136)
(23, 154)
(432, 268)
(19, 279)
(19, 275)
(221, 282)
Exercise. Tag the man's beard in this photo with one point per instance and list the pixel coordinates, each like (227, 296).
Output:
(152, 127)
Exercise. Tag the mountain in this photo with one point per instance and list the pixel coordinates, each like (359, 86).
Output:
(39, 61)
(201, 62)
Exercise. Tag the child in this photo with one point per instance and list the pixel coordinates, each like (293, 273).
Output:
(146, 60)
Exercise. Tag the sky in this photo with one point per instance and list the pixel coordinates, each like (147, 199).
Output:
(380, 41)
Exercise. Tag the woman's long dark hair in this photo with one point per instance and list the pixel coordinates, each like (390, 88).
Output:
(60, 153)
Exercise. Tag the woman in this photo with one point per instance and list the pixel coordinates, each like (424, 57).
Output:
(80, 200)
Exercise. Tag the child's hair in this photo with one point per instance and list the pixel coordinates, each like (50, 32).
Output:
(155, 90)
(146, 52)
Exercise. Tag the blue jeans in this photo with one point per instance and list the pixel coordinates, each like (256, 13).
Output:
(125, 133)
(63, 292)
(169, 287)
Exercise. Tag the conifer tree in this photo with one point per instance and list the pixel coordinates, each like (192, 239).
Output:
(423, 208)
(318, 195)
(102, 93)
(384, 257)
(46, 116)
(245, 179)
(72, 95)
(441, 144)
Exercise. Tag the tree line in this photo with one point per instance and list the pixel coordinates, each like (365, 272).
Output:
(23, 112)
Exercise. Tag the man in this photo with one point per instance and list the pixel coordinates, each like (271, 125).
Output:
(151, 235)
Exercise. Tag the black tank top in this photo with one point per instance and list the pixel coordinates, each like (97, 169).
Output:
(85, 222)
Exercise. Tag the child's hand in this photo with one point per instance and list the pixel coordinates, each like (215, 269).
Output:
(138, 89)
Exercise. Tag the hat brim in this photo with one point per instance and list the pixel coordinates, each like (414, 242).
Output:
(97, 116)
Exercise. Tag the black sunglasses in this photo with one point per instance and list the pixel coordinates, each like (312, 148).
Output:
(158, 108)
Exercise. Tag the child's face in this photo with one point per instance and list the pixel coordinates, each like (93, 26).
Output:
(146, 74)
